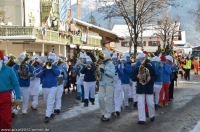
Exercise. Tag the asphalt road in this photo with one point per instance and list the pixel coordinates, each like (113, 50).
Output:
(180, 116)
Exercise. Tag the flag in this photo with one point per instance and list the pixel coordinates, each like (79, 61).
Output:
(64, 6)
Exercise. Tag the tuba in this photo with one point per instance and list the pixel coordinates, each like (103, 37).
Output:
(24, 68)
(101, 57)
(144, 72)
(12, 61)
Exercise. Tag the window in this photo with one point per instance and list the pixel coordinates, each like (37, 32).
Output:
(125, 44)
(154, 43)
(139, 43)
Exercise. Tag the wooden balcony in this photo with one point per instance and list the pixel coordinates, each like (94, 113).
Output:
(51, 36)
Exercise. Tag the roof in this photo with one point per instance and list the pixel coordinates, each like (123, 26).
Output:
(183, 41)
(94, 28)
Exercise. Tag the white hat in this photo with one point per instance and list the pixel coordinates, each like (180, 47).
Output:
(168, 57)
(84, 55)
(114, 55)
(88, 59)
(52, 56)
(140, 56)
(156, 58)
(124, 57)
(60, 55)
(106, 53)
(81, 55)
(22, 55)
(5, 59)
(35, 56)
(127, 54)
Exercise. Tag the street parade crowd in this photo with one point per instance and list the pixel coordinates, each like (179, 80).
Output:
(147, 82)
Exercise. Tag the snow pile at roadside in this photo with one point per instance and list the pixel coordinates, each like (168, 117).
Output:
(196, 128)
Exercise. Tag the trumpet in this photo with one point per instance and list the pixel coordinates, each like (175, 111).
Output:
(88, 66)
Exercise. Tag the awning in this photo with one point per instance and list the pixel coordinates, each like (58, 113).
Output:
(119, 51)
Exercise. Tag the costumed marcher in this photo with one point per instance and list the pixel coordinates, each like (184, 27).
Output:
(60, 85)
(49, 74)
(80, 80)
(35, 82)
(196, 65)
(64, 66)
(117, 98)
(8, 82)
(145, 82)
(77, 68)
(164, 92)
(25, 71)
(173, 76)
(106, 88)
(125, 79)
(187, 68)
(89, 81)
(128, 61)
(69, 74)
(158, 81)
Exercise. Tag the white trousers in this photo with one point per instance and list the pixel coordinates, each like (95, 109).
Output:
(141, 106)
(25, 95)
(157, 89)
(34, 91)
(106, 100)
(135, 96)
(78, 85)
(130, 89)
(117, 98)
(126, 88)
(58, 100)
(49, 95)
(89, 87)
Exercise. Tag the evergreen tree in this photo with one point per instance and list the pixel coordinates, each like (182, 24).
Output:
(76, 53)
(93, 20)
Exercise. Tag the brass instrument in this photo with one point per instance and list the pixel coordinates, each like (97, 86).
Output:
(12, 61)
(101, 57)
(144, 72)
(162, 50)
(88, 66)
(59, 62)
(24, 68)
(36, 60)
(49, 65)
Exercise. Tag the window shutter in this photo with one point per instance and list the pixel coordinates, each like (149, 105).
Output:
(144, 43)
(122, 44)
(158, 43)
(150, 43)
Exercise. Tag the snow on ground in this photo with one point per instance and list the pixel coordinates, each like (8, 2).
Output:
(196, 128)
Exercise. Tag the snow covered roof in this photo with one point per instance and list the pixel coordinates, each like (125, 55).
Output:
(122, 30)
(183, 37)
(96, 27)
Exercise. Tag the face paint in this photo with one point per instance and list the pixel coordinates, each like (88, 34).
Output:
(123, 61)
(1, 64)
(84, 60)
(114, 61)
(128, 58)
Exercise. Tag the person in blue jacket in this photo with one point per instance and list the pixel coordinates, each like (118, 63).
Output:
(117, 98)
(35, 82)
(145, 91)
(49, 85)
(166, 82)
(60, 87)
(106, 88)
(89, 81)
(24, 82)
(8, 82)
(158, 82)
(125, 79)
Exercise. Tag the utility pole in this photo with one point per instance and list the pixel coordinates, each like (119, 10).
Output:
(24, 14)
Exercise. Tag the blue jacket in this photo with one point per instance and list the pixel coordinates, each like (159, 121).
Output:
(166, 73)
(159, 76)
(24, 82)
(108, 75)
(37, 69)
(49, 77)
(9, 81)
(119, 70)
(126, 74)
(63, 72)
(89, 74)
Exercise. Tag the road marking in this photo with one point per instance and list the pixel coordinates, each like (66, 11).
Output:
(188, 82)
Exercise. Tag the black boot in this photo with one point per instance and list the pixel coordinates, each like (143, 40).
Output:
(156, 107)
(86, 103)
(47, 119)
(135, 104)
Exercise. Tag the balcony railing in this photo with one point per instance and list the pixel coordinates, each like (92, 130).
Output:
(51, 36)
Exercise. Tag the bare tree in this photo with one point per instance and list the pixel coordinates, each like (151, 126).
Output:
(136, 14)
(196, 12)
